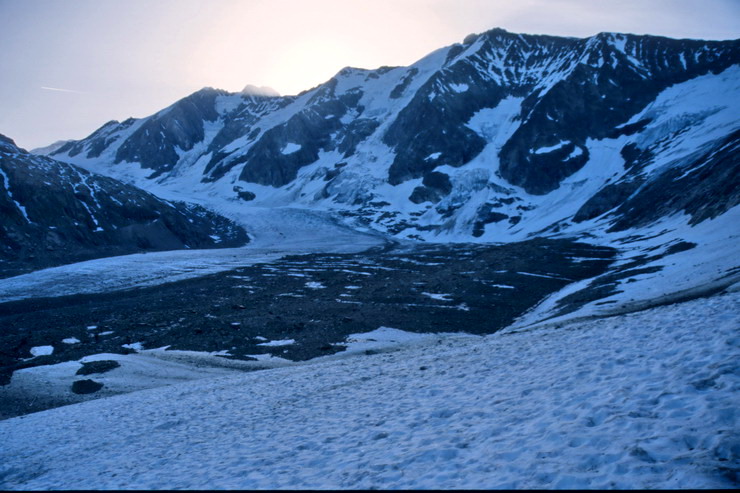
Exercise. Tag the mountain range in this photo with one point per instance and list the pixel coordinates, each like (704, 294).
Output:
(618, 140)
(498, 138)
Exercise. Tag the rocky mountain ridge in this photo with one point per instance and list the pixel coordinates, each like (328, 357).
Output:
(502, 137)
(54, 213)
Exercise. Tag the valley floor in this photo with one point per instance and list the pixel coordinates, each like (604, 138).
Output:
(293, 309)
(643, 400)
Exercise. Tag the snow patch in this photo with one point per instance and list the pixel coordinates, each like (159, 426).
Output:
(438, 296)
(269, 358)
(290, 148)
(42, 350)
(549, 149)
(21, 208)
(459, 88)
(282, 342)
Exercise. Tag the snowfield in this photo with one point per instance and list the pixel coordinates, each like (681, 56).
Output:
(644, 400)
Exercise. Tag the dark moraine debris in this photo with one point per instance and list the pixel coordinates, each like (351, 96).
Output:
(433, 288)
(97, 367)
(469, 288)
(86, 386)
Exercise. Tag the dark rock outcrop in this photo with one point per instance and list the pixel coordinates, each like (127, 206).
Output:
(101, 366)
(86, 386)
(156, 142)
(279, 153)
(486, 215)
(606, 199)
(703, 187)
(53, 213)
(435, 186)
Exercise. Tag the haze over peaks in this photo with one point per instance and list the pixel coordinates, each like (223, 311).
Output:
(251, 90)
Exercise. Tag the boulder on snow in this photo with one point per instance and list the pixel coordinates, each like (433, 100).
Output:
(101, 366)
(86, 386)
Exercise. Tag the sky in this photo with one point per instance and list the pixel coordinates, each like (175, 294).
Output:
(69, 66)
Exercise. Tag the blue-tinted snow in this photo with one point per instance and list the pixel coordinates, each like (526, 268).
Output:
(646, 400)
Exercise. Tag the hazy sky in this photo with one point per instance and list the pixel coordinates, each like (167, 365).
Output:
(68, 66)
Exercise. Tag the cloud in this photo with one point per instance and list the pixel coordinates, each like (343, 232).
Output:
(62, 90)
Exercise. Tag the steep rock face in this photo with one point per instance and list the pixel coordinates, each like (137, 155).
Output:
(239, 119)
(53, 213)
(535, 134)
(477, 75)
(615, 77)
(96, 143)
(703, 188)
(156, 143)
(159, 142)
(281, 151)
(431, 130)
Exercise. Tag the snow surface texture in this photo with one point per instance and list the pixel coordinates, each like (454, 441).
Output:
(50, 384)
(645, 400)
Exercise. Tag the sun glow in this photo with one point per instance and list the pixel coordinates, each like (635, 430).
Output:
(305, 44)
(307, 63)
(120, 59)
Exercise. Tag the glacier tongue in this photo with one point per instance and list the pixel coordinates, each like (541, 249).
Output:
(276, 232)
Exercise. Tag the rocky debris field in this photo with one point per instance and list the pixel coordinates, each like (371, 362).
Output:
(299, 307)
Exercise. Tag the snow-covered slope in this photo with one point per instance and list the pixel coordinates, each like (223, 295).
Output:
(43, 151)
(646, 400)
(54, 213)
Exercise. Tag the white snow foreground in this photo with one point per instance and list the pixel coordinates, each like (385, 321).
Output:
(644, 400)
